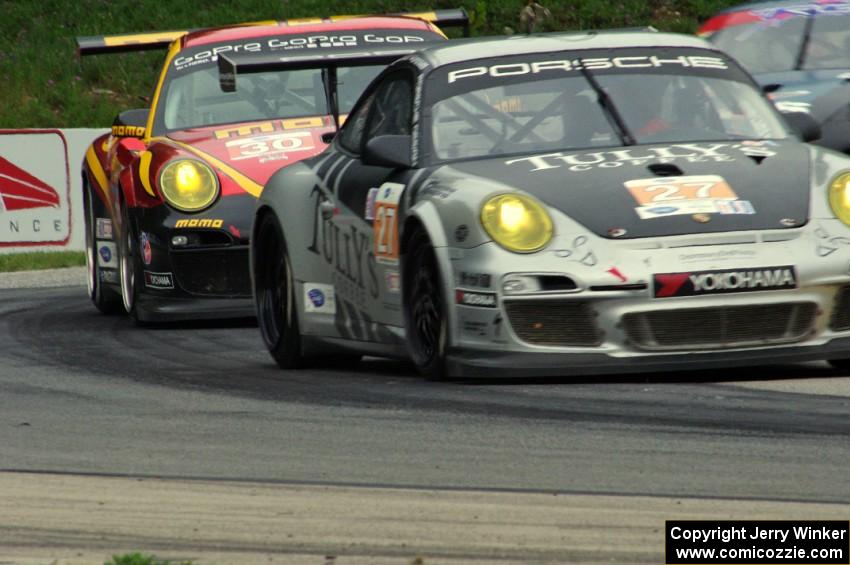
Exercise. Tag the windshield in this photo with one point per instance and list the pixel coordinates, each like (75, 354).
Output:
(195, 99)
(774, 44)
(508, 108)
(191, 96)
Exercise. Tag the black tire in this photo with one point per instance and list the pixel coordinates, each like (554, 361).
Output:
(102, 296)
(842, 364)
(129, 266)
(274, 294)
(425, 308)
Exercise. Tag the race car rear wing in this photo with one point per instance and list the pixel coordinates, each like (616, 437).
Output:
(97, 44)
(232, 64)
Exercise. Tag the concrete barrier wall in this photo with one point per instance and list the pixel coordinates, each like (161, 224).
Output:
(41, 202)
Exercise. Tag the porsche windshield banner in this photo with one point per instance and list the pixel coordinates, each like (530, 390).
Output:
(474, 75)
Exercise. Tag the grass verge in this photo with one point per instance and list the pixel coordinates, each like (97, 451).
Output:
(39, 260)
(142, 559)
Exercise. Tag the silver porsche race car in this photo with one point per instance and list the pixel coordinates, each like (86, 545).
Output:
(556, 205)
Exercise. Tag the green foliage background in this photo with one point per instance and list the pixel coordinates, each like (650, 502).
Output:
(45, 84)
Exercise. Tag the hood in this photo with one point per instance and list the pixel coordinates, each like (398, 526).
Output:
(820, 93)
(663, 190)
(257, 149)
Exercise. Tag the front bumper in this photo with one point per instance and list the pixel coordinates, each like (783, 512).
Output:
(606, 324)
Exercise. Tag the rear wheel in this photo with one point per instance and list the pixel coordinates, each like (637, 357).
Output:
(102, 296)
(274, 294)
(425, 309)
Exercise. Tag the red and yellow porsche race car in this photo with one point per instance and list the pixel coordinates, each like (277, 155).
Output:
(169, 193)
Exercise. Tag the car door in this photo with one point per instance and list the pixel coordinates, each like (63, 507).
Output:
(369, 195)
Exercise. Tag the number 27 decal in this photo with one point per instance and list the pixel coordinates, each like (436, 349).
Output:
(386, 223)
(675, 189)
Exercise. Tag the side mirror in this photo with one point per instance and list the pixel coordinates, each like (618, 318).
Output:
(130, 123)
(388, 151)
(804, 125)
(128, 148)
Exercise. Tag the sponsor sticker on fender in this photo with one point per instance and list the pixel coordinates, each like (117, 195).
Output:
(319, 298)
(478, 299)
(726, 281)
(385, 225)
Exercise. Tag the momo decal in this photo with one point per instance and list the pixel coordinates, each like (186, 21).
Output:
(271, 127)
(697, 194)
(159, 281)
(725, 281)
(199, 223)
(319, 298)
(689, 152)
(347, 250)
(596, 63)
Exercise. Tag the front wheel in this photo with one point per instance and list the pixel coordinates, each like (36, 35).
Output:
(425, 309)
(130, 270)
(274, 293)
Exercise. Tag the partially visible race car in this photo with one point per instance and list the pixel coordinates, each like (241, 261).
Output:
(553, 205)
(799, 52)
(170, 192)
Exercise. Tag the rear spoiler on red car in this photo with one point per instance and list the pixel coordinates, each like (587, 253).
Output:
(232, 64)
(97, 44)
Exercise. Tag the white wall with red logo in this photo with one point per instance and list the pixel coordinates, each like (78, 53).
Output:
(41, 199)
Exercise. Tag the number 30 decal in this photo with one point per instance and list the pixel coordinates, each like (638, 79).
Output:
(386, 223)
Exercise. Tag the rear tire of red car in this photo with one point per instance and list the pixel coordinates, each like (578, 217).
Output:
(102, 296)
(129, 266)
(425, 308)
(274, 294)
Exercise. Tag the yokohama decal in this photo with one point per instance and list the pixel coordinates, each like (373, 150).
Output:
(726, 281)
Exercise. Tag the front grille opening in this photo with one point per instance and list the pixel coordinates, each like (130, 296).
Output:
(559, 323)
(721, 327)
(204, 238)
(840, 320)
(213, 273)
(555, 283)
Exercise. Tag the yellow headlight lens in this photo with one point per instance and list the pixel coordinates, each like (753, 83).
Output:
(188, 185)
(839, 197)
(517, 222)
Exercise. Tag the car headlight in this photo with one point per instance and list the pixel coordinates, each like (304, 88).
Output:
(188, 185)
(839, 197)
(517, 222)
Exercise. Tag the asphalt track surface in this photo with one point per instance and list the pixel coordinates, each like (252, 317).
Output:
(86, 394)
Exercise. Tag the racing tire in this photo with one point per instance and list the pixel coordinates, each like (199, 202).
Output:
(425, 309)
(129, 266)
(274, 292)
(842, 364)
(102, 296)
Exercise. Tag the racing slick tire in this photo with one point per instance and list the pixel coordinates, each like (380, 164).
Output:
(425, 309)
(129, 266)
(102, 296)
(274, 292)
